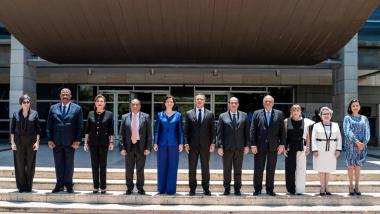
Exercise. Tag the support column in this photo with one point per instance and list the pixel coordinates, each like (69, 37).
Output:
(22, 77)
(345, 79)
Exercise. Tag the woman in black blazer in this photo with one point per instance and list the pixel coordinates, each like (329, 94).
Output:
(25, 140)
(98, 140)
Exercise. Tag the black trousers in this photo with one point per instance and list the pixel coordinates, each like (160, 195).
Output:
(271, 160)
(290, 171)
(64, 165)
(135, 157)
(193, 156)
(99, 165)
(232, 158)
(25, 164)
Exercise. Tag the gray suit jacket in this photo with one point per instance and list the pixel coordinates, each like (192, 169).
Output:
(229, 137)
(267, 137)
(145, 132)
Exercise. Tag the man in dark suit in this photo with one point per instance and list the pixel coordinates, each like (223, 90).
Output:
(136, 140)
(267, 141)
(199, 142)
(64, 132)
(233, 142)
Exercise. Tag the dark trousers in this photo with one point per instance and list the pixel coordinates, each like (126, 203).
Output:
(99, 165)
(64, 165)
(135, 157)
(260, 158)
(290, 171)
(232, 158)
(193, 156)
(167, 167)
(25, 163)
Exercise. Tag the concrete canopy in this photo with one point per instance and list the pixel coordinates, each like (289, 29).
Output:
(283, 32)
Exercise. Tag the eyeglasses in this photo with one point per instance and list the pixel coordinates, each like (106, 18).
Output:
(326, 114)
(25, 102)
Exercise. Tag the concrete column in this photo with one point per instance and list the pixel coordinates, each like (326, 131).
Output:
(22, 76)
(345, 79)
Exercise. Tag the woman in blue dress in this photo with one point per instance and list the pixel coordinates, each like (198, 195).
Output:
(168, 141)
(357, 135)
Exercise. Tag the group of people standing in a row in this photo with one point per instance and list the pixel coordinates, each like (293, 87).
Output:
(268, 135)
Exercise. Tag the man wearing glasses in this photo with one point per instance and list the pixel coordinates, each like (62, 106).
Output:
(267, 141)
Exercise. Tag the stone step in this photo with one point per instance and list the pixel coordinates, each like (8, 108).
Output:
(215, 175)
(48, 207)
(181, 198)
(182, 186)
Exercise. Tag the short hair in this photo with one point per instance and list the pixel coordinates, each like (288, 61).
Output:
(22, 98)
(233, 98)
(325, 108)
(99, 96)
(268, 96)
(135, 99)
(295, 107)
(349, 109)
(166, 98)
(65, 89)
(202, 95)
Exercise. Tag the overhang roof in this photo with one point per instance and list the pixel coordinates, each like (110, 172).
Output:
(283, 32)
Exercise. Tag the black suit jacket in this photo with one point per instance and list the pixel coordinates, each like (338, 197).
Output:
(145, 132)
(106, 128)
(229, 137)
(264, 137)
(203, 135)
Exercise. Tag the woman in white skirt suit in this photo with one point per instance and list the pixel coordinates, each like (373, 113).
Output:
(326, 143)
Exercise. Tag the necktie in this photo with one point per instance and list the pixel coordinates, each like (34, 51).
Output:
(268, 118)
(134, 129)
(200, 116)
(234, 120)
(64, 111)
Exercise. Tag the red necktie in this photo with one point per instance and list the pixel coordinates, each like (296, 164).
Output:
(134, 129)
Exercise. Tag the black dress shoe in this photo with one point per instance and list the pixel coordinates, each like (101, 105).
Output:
(128, 192)
(237, 192)
(21, 190)
(70, 190)
(95, 191)
(271, 193)
(192, 193)
(226, 192)
(55, 190)
(141, 192)
(322, 193)
(207, 192)
(351, 193)
(291, 193)
(103, 191)
(328, 193)
(257, 192)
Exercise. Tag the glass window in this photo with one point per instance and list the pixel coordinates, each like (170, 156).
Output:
(220, 108)
(115, 88)
(4, 126)
(122, 109)
(123, 97)
(159, 98)
(282, 94)
(86, 108)
(4, 113)
(43, 109)
(4, 34)
(109, 97)
(87, 93)
(51, 91)
(4, 91)
(183, 94)
(221, 98)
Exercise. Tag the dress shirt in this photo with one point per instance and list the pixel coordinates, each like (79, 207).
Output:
(138, 124)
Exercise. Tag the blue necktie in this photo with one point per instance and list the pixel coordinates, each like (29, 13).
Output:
(200, 116)
(234, 120)
(64, 112)
(268, 118)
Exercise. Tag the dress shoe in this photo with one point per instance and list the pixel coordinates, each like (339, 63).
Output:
(291, 193)
(128, 192)
(55, 190)
(257, 192)
(328, 193)
(226, 192)
(70, 190)
(357, 192)
(207, 192)
(21, 191)
(237, 192)
(95, 191)
(103, 191)
(351, 193)
(192, 193)
(141, 192)
(322, 193)
(271, 193)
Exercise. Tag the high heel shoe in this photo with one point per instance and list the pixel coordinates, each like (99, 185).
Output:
(351, 191)
(357, 192)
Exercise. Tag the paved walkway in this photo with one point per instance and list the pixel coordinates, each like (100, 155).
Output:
(115, 160)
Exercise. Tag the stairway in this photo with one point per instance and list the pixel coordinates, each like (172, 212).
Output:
(41, 200)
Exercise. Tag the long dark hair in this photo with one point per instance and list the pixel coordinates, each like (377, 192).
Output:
(166, 98)
(349, 110)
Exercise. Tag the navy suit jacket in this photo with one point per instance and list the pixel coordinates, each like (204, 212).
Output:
(267, 137)
(64, 131)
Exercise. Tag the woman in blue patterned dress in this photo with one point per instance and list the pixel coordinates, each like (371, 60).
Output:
(357, 135)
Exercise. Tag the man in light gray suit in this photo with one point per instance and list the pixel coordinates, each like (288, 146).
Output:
(136, 141)
(233, 142)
